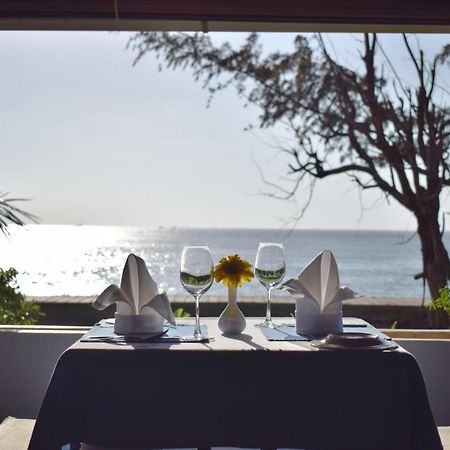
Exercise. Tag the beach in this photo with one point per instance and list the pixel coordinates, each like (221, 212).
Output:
(257, 299)
(381, 312)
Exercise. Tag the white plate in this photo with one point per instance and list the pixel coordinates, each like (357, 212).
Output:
(354, 341)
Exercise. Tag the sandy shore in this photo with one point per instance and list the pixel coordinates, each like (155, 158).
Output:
(180, 298)
(381, 312)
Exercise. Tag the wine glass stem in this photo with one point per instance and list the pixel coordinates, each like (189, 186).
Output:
(197, 331)
(269, 310)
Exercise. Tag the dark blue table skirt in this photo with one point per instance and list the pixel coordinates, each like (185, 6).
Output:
(147, 397)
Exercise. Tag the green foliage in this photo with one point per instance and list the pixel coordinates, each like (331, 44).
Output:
(14, 309)
(442, 302)
(180, 312)
(11, 214)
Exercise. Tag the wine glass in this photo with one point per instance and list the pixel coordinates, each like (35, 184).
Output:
(196, 275)
(270, 268)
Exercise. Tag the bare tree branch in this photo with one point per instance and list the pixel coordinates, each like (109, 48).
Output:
(361, 120)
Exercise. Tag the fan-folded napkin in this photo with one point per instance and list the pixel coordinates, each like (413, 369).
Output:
(141, 307)
(319, 296)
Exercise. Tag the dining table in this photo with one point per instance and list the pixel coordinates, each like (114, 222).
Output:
(263, 388)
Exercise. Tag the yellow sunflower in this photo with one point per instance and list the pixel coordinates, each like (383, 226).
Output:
(233, 271)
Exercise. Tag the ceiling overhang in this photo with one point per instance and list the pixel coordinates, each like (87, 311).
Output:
(227, 15)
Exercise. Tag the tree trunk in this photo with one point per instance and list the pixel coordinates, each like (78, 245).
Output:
(436, 263)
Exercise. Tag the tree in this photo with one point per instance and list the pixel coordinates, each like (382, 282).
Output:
(14, 309)
(366, 122)
(11, 214)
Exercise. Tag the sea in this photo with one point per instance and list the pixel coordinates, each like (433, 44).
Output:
(57, 260)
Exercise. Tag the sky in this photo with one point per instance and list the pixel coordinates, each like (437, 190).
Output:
(92, 139)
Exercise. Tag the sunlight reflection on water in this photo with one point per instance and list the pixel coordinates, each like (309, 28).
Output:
(83, 260)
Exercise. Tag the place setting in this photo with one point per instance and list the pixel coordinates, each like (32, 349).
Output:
(318, 305)
(101, 333)
(144, 314)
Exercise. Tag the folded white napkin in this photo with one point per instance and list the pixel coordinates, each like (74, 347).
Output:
(319, 296)
(140, 306)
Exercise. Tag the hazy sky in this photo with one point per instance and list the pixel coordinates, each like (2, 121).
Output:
(93, 140)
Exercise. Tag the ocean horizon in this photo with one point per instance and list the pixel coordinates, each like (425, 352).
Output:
(79, 260)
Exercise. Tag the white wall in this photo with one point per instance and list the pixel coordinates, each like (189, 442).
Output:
(27, 359)
(433, 356)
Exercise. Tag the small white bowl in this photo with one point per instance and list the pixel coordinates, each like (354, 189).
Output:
(148, 324)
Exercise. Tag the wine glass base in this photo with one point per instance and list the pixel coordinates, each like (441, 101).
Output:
(266, 324)
(199, 337)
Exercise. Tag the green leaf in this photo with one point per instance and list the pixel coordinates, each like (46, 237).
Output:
(14, 308)
(442, 302)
